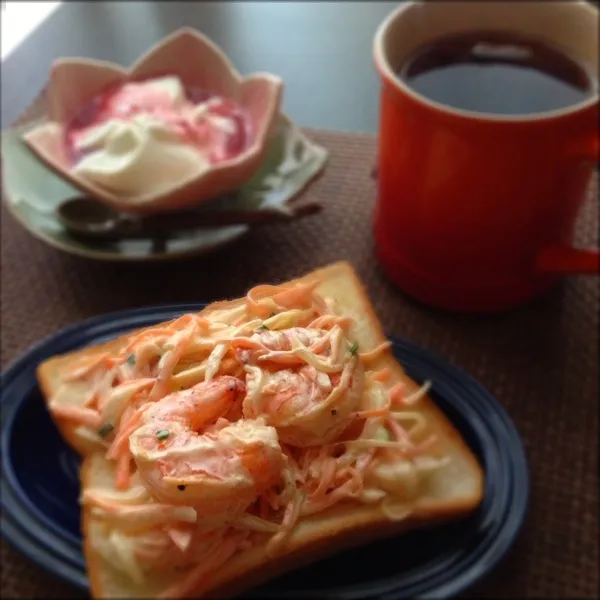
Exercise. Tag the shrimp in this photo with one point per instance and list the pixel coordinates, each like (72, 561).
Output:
(263, 299)
(218, 472)
(249, 349)
(199, 406)
(308, 407)
(327, 351)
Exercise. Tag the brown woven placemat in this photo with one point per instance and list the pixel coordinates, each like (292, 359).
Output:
(541, 361)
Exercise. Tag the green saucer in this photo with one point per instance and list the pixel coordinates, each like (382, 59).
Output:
(32, 192)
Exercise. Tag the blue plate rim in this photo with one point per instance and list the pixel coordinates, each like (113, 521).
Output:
(30, 548)
(126, 320)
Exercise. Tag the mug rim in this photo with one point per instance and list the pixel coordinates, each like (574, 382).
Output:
(383, 65)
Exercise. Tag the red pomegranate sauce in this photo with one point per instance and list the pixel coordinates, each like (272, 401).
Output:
(124, 101)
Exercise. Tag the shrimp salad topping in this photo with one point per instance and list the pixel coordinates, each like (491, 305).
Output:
(227, 427)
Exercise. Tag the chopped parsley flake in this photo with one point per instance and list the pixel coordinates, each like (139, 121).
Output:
(105, 429)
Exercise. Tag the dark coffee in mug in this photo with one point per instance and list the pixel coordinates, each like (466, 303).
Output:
(497, 73)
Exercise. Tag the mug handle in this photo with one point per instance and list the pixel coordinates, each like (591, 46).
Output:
(566, 260)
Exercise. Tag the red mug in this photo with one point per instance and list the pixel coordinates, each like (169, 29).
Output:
(476, 212)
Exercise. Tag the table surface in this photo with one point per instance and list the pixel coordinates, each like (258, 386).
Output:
(540, 361)
(322, 50)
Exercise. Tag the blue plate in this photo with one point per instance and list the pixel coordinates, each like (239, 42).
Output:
(40, 515)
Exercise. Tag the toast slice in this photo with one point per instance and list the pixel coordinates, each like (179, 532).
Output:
(451, 491)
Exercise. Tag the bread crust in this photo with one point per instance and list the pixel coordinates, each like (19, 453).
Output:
(345, 525)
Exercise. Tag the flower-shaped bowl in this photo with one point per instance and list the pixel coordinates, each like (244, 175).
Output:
(199, 64)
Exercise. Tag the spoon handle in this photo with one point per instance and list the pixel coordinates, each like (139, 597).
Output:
(212, 218)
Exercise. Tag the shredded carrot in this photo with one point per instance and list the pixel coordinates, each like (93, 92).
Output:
(123, 473)
(247, 343)
(126, 428)
(374, 354)
(382, 375)
(299, 294)
(416, 396)
(254, 296)
(372, 413)
(157, 334)
(329, 321)
(284, 296)
(396, 393)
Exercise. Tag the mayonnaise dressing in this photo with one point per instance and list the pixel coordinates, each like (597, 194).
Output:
(148, 136)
